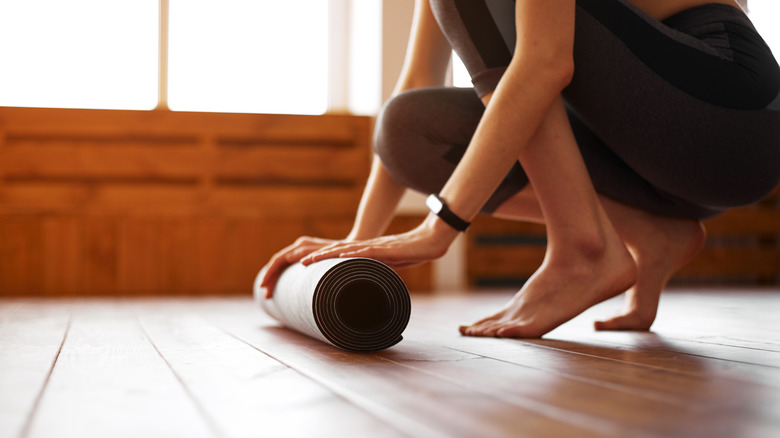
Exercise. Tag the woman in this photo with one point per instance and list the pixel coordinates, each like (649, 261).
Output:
(618, 124)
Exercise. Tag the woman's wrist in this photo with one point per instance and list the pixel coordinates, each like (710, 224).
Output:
(439, 230)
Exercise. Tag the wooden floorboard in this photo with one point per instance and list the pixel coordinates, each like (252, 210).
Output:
(31, 336)
(244, 390)
(221, 368)
(108, 380)
(418, 403)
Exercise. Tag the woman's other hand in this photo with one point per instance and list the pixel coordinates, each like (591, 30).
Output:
(428, 241)
(288, 256)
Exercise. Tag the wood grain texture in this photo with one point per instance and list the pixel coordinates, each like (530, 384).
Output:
(416, 402)
(248, 393)
(220, 367)
(31, 336)
(96, 202)
(743, 247)
(110, 381)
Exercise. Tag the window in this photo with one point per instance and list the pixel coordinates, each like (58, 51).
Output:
(223, 55)
(294, 56)
(79, 53)
(248, 56)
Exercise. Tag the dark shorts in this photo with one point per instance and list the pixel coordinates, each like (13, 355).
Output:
(680, 118)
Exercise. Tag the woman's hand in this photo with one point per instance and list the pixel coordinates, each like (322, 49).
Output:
(427, 242)
(289, 256)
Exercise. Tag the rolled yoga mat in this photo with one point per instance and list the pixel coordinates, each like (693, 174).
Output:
(356, 304)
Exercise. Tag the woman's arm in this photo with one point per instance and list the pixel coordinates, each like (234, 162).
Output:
(427, 53)
(540, 68)
(425, 65)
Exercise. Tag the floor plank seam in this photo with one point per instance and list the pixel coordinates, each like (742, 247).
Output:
(360, 402)
(743, 347)
(619, 346)
(579, 353)
(599, 383)
(215, 428)
(25, 432)
(719, 359)
(97, 367)
(543, 409)
(684, 353)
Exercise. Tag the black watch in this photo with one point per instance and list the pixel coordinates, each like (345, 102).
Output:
(440, 209)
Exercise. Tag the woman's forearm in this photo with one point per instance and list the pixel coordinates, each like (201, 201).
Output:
(425, 65)
(541, 68)
(427, 54)
(378, 204)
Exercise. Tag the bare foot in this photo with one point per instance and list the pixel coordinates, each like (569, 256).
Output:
(567, 283)
(661, 247)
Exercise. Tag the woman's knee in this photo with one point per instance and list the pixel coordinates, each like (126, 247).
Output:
(395, 126)
(421, 135)
(397, 136)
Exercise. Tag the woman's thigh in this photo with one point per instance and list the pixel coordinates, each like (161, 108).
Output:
(421, 136)
(678, 118)
(687, 104)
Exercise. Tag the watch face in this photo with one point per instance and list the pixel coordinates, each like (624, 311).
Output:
(434, 204)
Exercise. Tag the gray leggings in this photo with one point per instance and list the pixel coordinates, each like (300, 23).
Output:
(680, 118)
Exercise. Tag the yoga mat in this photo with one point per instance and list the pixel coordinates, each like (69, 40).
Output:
(356, 304)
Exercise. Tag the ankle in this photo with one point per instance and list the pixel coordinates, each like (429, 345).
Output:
(586, 245)
(578, 255)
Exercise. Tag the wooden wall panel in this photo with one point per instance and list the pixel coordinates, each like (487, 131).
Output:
(175, 255)
(100, 255)
(21, 255)
(62, 255)
(743, 247)
(139, 256)
(157, 202)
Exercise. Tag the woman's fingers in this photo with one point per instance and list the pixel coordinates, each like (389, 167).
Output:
(286, 257)
(395, 251)
(342, 249)
(270, 274)
(408, 249)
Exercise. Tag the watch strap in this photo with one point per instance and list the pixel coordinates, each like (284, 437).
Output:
(440, 208)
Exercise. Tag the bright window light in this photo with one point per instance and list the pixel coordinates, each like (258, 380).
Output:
(460, 76)
(79, 53)
(252, 56)
(365, 57)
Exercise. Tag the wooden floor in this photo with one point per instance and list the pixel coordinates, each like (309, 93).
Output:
(220, 368)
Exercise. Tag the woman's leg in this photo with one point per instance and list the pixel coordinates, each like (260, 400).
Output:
(659, 245)
(586, 261)
(421, 136)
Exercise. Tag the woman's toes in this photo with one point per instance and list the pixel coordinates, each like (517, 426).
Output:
(514, 332)
(492, 330)
(629, 321)
(468, 330)
(484, 328)
(609, 324)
